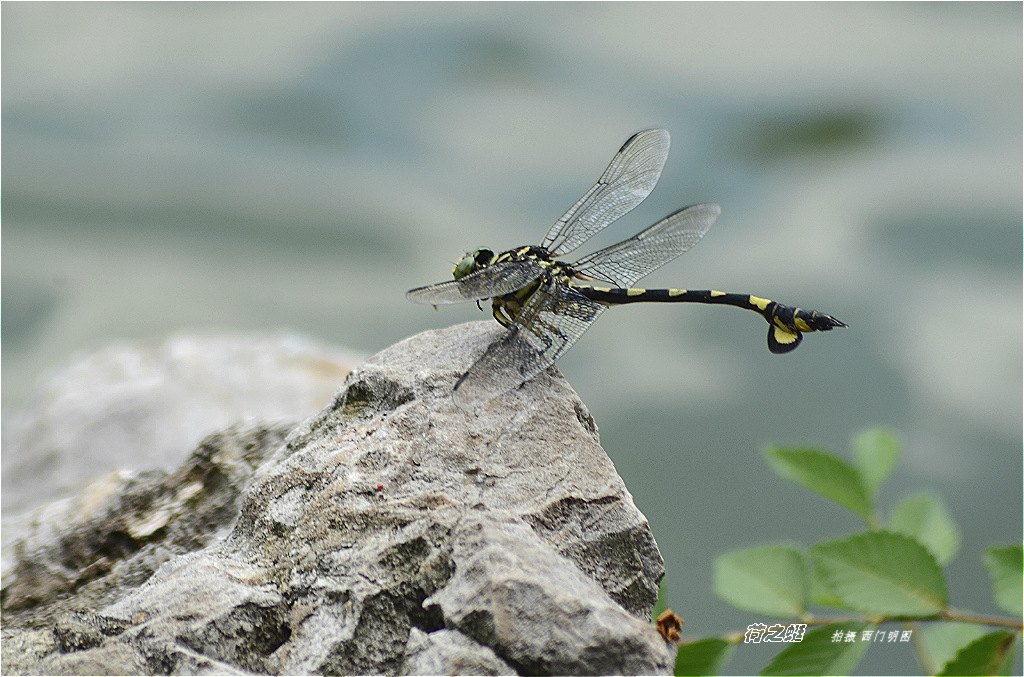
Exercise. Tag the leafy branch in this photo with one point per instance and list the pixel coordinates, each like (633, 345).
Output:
(889, 574)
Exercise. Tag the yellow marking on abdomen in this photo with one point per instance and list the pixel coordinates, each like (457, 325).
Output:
(801, 325)
(784, 335)
(635, 292)
(717, 293)
(759, 302)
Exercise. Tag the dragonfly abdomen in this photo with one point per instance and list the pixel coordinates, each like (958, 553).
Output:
(619, 296)
(787, 323)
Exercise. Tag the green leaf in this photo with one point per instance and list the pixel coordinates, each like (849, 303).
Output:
(942, 641)
(1006, 571)
(824, 474)
(822, 592)
(876, 452)
(771, 580)
(924, 518)
(882, 573)
(828, 650)
(990, 654)
(703, 657)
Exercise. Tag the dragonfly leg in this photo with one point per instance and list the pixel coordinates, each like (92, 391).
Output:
(498, 310)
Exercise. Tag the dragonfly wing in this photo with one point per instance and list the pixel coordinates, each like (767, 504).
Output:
(549, 324)
(631, 176)
(624, 263)
(495, 280)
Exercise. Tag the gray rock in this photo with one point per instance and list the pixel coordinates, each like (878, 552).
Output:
(146, 405)
(513, 592)
(449, 652)
(121, 529)
(396, 533)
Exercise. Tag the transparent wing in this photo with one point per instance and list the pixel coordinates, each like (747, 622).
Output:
(624, 263)
(549, 324)
(495, 280)
(631, 176)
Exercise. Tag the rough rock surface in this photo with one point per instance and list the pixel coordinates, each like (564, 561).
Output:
(147, 405)
(118, 531)
(393, 533)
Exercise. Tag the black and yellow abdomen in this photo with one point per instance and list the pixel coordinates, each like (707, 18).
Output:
(788, 324)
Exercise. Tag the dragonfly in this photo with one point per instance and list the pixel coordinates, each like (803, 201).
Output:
(546, 304)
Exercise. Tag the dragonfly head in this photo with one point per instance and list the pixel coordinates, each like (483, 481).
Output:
(472, 262)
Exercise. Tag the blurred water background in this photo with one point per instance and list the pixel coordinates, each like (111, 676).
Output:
(300, 166)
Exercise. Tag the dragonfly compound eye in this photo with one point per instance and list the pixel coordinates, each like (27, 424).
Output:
(472, 262)
(464, 267)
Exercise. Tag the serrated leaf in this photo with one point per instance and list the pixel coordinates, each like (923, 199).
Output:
(990, 654)
(823, 474)
(942, 641)
(703, 657)
(1006, 571)
(876, 452)
(882, 572)
(828, 650)
(924, 518)
(771, 580)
